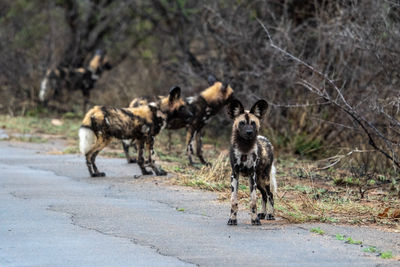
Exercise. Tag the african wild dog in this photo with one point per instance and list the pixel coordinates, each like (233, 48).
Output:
(143, 123)
(251, 155)
(83, 79)
(183, 114)
(202, 106)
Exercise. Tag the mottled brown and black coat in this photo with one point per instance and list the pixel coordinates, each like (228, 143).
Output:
(251, 155)
(182, 114)
(71, 79)
(203, 106)
(141, 124)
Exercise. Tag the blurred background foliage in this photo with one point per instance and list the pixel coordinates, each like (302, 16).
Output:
(155, 44)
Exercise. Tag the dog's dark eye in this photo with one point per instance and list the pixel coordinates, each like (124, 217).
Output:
(253, 123)
(181, 108)
(241, 123)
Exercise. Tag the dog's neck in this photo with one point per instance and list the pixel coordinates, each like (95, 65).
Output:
(244, 146)
(160, 118)
(210, 108)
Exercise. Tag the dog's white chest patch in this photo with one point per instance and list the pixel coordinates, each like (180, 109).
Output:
(127, 141)
(163, 118)
(190, 99)
(247, 160)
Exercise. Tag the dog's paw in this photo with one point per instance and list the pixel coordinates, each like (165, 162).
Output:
(270, 217)
(261, 216)
(132, 161)
(255, 222)
(99, 174)
(146, 172)
(161, 172)
(232, 222)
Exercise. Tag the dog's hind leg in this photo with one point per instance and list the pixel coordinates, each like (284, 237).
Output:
(263, 191)
(100, 144)
(126, 145)
(199, 146)
(270, 204)
(89, 164)
(189, 147)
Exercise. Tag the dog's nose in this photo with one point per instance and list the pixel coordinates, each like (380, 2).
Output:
(249, 132)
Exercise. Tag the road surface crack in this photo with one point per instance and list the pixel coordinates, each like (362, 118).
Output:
(132, 240)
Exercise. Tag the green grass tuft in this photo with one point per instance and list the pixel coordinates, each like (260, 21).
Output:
(386, 255)
(349, 240)
(340, 237)
(317, 230)
(371, 249)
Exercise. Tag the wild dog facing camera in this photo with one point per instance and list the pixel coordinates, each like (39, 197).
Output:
(247, 124)
(251, 155)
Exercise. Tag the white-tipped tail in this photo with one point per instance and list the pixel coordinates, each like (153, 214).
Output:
(86, 139)
(43, 89)
(273, 179)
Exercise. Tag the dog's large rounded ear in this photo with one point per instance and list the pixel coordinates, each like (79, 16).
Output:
(235, 108)
(225, 84)
(211, 79)
(259, 108)
(174, 93)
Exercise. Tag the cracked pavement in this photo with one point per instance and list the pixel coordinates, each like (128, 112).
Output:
(53, 214)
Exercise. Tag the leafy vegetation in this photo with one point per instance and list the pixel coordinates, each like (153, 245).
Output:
(317, 230)
(370, 249)
(386, 255)
(339, 237)
(350, 240)
(182, 41)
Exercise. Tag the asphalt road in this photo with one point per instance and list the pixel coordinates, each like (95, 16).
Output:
(53, 214)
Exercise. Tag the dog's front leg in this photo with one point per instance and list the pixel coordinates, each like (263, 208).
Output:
(140, 158)
(234, 201)
(149, 150)
(253, 199)
(149, 146)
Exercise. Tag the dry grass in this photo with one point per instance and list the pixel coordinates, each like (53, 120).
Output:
(305, 193)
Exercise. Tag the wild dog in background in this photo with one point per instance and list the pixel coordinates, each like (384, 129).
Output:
(142, 124)
(251, 155)
(84, 79)
(202, 106)
(183, 115)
